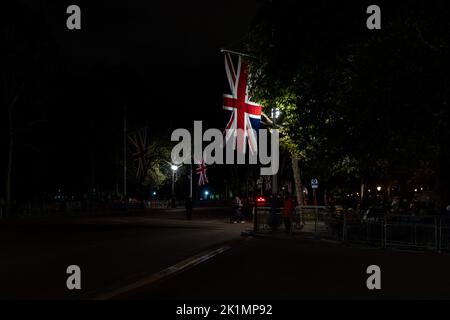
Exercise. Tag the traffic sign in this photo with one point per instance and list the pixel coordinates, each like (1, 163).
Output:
(314, 183)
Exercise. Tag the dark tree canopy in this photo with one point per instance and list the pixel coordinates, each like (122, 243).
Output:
(358, 104)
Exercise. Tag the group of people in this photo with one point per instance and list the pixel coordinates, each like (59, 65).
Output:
(281, 211)
(279, 208)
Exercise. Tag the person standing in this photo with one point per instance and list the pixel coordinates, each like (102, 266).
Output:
(287, 213)
(188, 208)
(275, 212)
(237, 208)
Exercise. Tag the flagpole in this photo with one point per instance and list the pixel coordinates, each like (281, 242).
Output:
(237, 53)
(274, 176)
(190, 183)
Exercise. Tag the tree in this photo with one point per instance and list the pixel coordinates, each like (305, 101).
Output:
(158, 170)
(358, 105)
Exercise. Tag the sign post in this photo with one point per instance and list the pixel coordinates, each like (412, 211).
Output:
(314, 186)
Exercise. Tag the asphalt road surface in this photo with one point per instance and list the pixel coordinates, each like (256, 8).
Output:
(116, 251)
(110, 250)
(307, 269)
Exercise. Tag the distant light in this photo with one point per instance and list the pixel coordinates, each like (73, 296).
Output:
(276, 113)
(206, 192)
(378, 188)
(154, 193)
(415, 190)
(174, 167)
(421, 189)
(357, 193)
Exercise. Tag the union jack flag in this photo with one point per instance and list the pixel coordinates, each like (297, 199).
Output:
(139, 143)
(201, 170)
(243, 113)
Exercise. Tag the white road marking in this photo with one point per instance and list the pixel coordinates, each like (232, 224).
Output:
(177, 268)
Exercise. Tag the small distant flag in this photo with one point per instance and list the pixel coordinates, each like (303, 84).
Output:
(201, 171)
(139, 143)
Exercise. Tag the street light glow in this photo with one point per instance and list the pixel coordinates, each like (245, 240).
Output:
(275, 113)
(174, 167)
(378, 188)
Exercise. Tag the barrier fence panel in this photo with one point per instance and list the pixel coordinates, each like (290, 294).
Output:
(318, 220)
(380, 229)
(412, 231)
(444, 234)
(269, 218)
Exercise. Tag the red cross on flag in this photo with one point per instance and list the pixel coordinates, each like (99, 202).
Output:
(201, 171)
(243, 113)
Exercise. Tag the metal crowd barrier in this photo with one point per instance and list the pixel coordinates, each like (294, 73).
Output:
(264, 218)
(385, 230)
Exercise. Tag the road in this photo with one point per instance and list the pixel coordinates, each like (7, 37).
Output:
(116, 251)
(272, 269)
(111, 250)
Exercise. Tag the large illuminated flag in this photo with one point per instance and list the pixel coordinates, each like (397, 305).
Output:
(242, 113)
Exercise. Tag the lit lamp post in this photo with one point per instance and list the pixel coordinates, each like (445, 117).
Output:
(174, 169)
(275, 115)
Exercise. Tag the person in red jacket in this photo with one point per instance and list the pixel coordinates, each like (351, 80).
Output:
(288, 212)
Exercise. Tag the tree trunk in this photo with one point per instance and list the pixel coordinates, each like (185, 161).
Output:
(297, 179)
(362, 192)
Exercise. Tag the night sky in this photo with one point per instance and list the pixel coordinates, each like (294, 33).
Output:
(159, 59)
(173, 47)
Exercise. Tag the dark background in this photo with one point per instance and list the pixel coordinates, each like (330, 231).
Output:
(160, 60)
(160, 64)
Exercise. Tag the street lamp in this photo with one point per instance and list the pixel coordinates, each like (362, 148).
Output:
(275, 115)
(378, 188)
(174, 169)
